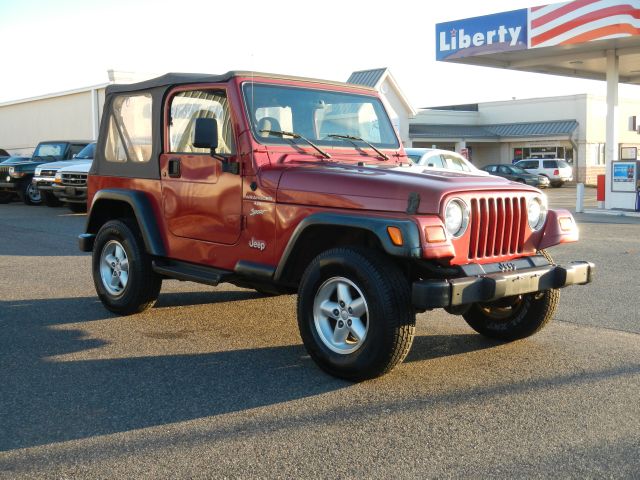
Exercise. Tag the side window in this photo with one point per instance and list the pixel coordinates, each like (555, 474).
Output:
(455, 163)
(504, 169)
(434, 161)
(76, 149)
(186, 107)
(460, 165)
(528, 164)
(129, 132)
(491, 168)
(550, 164)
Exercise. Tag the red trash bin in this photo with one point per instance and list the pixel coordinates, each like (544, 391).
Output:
(600, 192)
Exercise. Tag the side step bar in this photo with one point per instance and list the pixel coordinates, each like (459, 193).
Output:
(190, 272)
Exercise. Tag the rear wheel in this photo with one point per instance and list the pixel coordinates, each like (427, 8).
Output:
(355, 314)
(50, 200)
(122, 272)
(516, 317)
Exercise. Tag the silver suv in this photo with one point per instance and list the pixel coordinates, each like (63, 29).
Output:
(557, 170)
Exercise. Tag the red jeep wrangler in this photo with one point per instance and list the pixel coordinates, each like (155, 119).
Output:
(286, 184)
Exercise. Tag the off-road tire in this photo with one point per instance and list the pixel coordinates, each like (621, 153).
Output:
(77, 207)
(143, 285)
(26, 194)
(50, 200)
(529, 314)
(391, 317)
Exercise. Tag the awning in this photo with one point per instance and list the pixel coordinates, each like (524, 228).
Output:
(561, 128)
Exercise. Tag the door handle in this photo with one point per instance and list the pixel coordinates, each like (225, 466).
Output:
(174, 167)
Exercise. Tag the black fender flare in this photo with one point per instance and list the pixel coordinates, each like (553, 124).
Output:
(143, 211)
(411, 247)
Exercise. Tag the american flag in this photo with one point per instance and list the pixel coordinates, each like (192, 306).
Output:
(583, 21)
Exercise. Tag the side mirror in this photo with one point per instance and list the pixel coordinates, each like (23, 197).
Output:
(205, 134)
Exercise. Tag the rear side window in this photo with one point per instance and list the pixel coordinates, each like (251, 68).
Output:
(129, 133)
(549, 164)
(490, 168)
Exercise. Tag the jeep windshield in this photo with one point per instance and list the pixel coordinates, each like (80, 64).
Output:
(324, 117)
(54, 150)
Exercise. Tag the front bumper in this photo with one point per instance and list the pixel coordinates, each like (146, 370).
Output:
(13, 186)
(428, 294)
(43, 183)
(68, 193)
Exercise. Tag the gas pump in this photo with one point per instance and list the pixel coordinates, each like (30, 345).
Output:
(625, 178)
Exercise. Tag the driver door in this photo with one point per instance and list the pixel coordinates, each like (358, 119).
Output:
(200, 200)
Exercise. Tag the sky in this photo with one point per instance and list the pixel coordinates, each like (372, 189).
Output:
(48, 46)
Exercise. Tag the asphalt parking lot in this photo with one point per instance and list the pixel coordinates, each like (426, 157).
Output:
(214, 382)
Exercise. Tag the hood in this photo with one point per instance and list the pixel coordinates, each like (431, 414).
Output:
(63, 163)
(379, 186)
(77, 168)
(12, 161)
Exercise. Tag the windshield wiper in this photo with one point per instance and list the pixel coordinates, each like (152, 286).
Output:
(295, 135)
(350, 137)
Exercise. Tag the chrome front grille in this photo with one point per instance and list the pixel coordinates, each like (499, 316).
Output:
(74, 179)
(497, 226)
(47, 173)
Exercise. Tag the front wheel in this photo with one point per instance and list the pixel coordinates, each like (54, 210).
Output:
(30, 194)
(355, 314)
(516, 317)
(122, 272)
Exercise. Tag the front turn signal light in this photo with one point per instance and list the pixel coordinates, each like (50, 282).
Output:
(395, 234)
(435, 234)
(566, 224)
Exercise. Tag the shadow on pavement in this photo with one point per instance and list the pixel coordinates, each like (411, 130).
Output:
(46, 401)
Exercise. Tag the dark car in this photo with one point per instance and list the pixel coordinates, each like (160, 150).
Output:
(16, 174)
(517, 174)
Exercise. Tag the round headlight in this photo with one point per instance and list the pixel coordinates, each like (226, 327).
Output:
(536, 213)
(456, 217)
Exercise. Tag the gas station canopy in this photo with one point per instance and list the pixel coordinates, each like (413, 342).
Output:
(569, 39)
(593, 39)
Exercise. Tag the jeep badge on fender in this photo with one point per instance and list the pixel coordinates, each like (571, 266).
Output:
(364, 237)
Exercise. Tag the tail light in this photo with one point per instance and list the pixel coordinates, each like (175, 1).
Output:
(556, 172)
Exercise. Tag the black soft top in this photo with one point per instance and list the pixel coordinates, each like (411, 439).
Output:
(170, 79)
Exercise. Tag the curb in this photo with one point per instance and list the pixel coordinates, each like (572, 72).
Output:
(613, 213)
